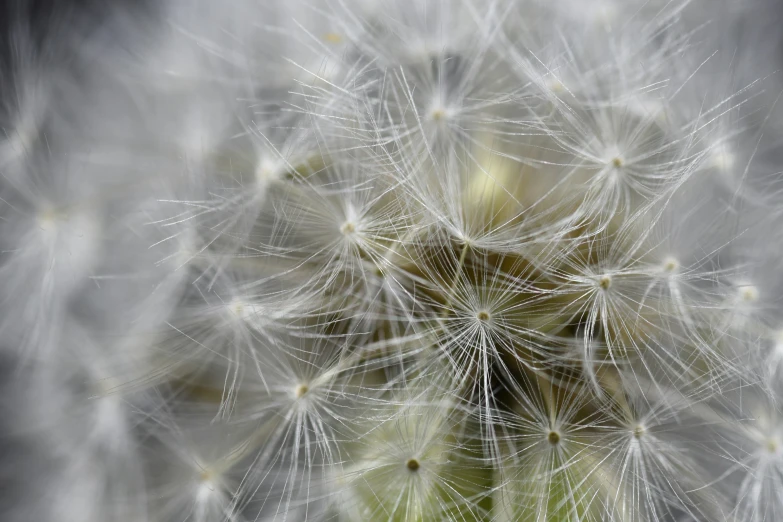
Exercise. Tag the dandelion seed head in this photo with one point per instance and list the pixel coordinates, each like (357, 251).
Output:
(446, 260)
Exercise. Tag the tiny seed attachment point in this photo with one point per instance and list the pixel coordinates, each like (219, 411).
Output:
(50, 218)
(348, 228)
(301, 391)
(617, 162)
(556, 86)
(553, 438)
(333, 38)
(412, 465)
(670, 265)
(638, 432)
(748, 293)
(605, 282)
(483, 316)
(238, 308)
(268, 171)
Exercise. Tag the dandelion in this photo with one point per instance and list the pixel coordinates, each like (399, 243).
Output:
(403, 261)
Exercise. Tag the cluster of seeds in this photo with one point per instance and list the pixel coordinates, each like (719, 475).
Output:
(406, 261)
